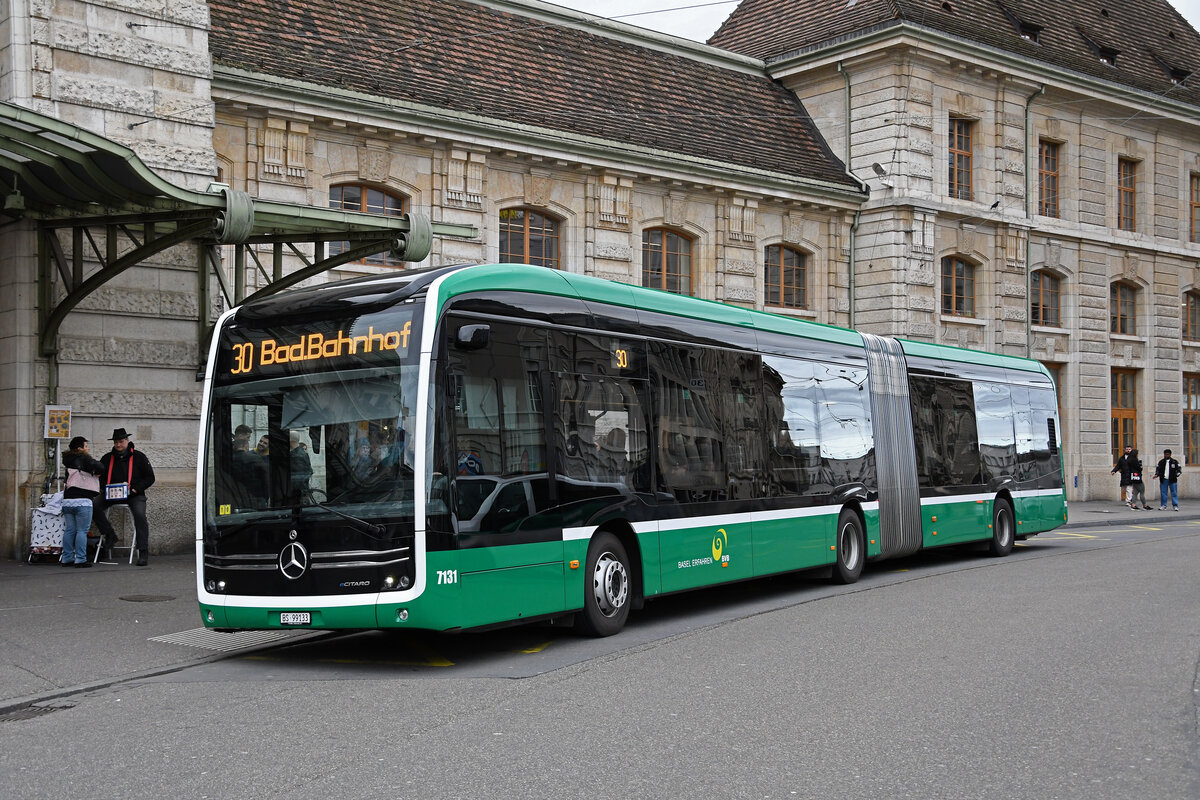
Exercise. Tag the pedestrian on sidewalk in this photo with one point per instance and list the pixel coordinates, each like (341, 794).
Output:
(1122, 467)
(83, 484)
(126, 477)
(1137, 482)
(1167, 472)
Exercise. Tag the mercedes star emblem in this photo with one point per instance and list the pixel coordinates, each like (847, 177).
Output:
(293, 560)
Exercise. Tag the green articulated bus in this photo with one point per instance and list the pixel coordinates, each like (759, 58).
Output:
(473, 446)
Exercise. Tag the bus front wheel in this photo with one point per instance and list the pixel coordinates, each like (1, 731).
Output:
(607, 593)
(850, 547)
(1003, 532)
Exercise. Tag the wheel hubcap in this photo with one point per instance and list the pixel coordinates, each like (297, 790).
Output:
(610, 584)
(1004, 526)
(848, 546)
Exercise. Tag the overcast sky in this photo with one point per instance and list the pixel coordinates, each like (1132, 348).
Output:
(698, 19)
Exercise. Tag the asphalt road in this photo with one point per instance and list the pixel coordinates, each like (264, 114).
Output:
(1068, 670)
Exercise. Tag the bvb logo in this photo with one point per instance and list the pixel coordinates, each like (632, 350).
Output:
(719, 543)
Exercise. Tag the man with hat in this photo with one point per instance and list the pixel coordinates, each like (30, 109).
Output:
(126, 477)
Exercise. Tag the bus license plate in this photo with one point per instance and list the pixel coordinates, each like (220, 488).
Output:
(295, 618)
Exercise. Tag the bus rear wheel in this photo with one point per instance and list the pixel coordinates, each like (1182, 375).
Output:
(607, 593)
(850, 547)
(1003, 529)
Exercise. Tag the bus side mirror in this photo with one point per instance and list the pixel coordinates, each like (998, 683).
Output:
(473, 337)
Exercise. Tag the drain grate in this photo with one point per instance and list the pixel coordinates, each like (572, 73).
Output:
(224, 641)
(148, 598)
(30, 712)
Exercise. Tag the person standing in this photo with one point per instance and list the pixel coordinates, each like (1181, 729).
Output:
(1122, 467)
(1137, 481)
(1167, 472)
(83, 484)
(126, 477)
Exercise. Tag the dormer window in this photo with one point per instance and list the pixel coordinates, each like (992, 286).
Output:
(1107, 55)
(1029, 31)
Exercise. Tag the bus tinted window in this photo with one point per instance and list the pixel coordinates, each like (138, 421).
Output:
(844, 422)
(997, 445)
(691, 463)
(790, 394)
(945, 432)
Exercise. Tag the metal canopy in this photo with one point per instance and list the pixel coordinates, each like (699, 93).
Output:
(72, 181)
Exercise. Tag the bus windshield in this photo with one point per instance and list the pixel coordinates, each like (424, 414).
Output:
(313, 414)
(334, 439)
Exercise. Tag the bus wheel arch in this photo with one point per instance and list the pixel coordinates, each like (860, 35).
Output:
(1004, 526)
(850, 545)
(610, 584)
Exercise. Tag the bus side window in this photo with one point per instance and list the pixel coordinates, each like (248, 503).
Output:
(790, 390)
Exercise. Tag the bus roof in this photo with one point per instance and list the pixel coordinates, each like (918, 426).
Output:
(522, 277)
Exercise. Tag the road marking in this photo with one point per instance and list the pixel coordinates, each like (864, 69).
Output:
(537, 648)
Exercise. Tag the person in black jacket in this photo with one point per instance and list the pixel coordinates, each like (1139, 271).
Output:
(1167, 472)
(1123, 465)
(126, 477)
(83, 484)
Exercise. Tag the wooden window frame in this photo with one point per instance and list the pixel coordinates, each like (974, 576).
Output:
(1191, 417)
(1191, 316)
(785, 285)
(960, 149)
(532, 221)
(670, 245)
(960, 300)
(1048, 177)
(1194, 207)
(1122, 308)
(1127, 175)
(1123, 401)
(1045, 295)
(365, 206)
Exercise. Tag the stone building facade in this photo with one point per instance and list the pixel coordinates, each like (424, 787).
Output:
(1074, 208)
(136, 72)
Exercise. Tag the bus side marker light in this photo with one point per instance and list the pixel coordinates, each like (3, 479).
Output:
(833, 547)
(724, 564)
(872, 541)
(934, 518)
(574, 563)
(935, 533)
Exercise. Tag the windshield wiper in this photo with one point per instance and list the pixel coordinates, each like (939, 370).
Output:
(236, 529)
(368, 528)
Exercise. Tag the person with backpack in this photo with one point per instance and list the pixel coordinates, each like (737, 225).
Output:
(83, 484)
(1136, 481)
(1167, 472)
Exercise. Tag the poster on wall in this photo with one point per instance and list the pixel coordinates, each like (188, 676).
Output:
(58, 422)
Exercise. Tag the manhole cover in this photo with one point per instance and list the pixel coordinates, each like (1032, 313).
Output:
(148, 598)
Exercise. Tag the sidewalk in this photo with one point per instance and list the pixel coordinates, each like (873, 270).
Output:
(66, 629)
(63, 629)
(1110, 512)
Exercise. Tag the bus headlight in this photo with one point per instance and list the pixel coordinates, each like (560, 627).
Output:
(389, 582)
(215, 587)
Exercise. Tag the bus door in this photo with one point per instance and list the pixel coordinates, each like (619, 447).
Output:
(705, 532)
(509, 548)
(601, 464)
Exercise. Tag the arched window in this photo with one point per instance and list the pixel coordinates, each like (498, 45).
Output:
(1122, 308)
(1043, 299)
(958, 287)
(528, 237)
(667, 261)
(363, 198)
(785, 277)
(1191, 317)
